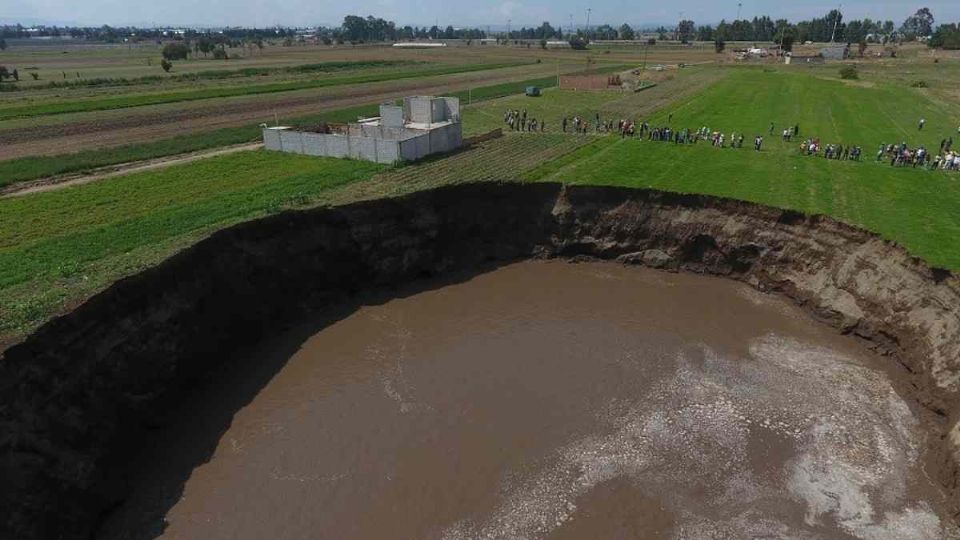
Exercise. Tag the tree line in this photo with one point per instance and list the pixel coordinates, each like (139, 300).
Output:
(357, 29)
(118, 34)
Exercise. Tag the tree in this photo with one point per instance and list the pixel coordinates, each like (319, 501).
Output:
(4, 73)
(3, 44)
(719, 45)
(220, 54)
(786, 43)
(206, 45)
(918, 24)
(947, 36)
(835, 28)
(16, 75)
(166, 65)
(705, 33)
(626, 32)
(686, 31)
(175, 51)
(355, 28)
(578, 43)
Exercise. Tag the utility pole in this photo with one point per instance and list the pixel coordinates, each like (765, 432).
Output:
(836, 21)
(572, 29)
(508, 27)
(588, 20)
(739, 7)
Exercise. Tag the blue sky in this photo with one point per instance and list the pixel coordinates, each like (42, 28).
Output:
(264, 13)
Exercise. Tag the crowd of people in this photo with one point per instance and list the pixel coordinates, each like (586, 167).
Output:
(813, 147)
(899, 155)
(518, 121)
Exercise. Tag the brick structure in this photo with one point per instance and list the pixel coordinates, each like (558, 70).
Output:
(589, 82)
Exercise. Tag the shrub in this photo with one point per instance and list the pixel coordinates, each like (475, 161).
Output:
(175, 51)
(849, 73)
(219, 54)
(919, 84)
(719, 45)
(578, 43)
(166, 65)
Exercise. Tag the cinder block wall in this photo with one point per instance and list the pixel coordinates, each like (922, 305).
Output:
(419, 109)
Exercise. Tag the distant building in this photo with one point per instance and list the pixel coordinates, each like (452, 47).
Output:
(419, 44)
(590, 81)
(835, 53)
(422, 126)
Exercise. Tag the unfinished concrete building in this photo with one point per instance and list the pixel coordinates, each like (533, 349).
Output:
(422, 126)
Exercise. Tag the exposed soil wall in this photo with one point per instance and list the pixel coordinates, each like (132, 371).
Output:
(75, 395)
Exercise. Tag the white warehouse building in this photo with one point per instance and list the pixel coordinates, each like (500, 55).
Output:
(422, 126)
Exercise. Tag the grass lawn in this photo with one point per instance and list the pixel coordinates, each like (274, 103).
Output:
(918, 209)
(865, 113)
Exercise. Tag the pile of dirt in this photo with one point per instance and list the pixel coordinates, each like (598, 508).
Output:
(76, 394)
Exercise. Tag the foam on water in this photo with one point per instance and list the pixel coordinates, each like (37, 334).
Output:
(855, 443)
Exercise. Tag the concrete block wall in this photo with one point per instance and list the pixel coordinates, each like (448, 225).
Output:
(418, 109)
(391, 115)
(370, 143)
(453, 107)
(271, 138)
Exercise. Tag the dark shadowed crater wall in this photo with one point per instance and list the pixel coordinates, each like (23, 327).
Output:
(76, 396)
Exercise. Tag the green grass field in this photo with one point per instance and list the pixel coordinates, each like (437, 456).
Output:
(914, 207)
(866, 112)
(58, 244)
(57, 248)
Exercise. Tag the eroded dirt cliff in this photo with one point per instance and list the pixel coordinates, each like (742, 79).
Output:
(76, 394)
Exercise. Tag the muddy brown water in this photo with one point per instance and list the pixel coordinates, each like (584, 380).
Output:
(554, 400)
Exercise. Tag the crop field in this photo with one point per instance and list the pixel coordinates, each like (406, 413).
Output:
(59, 247)
(32, 168)
(123, 102)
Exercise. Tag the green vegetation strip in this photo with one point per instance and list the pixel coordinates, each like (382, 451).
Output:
(122, 102)
(32, 168)
(216, 74)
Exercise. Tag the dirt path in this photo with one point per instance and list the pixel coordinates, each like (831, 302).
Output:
(59, 182)
(151, 124)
